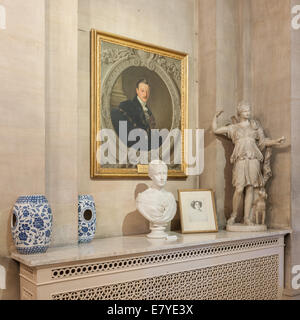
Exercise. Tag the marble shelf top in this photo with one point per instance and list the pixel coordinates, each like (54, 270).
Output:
(121, 246)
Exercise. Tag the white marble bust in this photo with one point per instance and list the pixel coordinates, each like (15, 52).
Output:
(156, 204)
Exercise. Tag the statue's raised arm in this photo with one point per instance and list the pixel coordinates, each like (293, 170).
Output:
(216, 130)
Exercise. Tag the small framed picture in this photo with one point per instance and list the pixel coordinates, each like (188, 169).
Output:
(197, 211)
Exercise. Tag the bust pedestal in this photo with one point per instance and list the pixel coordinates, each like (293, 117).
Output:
(157, 231)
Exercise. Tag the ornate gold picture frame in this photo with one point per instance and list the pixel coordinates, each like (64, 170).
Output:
(120, 69)
(197, 211)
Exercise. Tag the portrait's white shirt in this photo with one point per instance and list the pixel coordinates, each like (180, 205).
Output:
(143, 104)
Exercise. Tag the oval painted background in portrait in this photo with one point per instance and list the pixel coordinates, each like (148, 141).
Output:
(160, 102)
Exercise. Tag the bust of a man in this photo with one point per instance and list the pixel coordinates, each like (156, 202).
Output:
(156, 204)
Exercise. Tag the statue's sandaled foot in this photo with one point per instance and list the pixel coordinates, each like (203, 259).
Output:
(231, 221)
(249, 223)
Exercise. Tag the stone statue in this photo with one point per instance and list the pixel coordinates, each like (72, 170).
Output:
(156, 204)
(251, 164)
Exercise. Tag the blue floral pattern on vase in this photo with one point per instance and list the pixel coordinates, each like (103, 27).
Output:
(31, 224)
(86, 218)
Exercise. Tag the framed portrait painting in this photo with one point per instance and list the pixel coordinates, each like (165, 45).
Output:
(138, 107)
(197, 211)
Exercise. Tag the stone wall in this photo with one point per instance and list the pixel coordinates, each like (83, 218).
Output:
(22, 121)
(61, 118)
(293, 244)
(271, 95)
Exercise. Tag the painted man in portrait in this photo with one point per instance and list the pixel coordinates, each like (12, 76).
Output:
(136, 113)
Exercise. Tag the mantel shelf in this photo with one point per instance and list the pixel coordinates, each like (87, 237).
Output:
(138, 244)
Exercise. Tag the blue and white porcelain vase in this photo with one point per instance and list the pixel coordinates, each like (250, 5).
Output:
(86, 218)
(31, 224)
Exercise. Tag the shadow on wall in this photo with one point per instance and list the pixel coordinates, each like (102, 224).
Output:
(11, 290)
(134, 222)
(175, 223)
(229, 189)
(10, 241)
(270, 217)
(9, 269)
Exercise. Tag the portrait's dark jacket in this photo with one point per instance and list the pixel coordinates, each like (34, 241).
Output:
(132, 112)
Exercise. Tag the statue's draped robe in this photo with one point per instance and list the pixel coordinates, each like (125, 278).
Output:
(249, 142)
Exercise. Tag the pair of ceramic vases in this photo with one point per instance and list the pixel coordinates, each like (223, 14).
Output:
(31, 222)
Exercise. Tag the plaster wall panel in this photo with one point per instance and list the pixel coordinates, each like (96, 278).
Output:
(170, 24)
(295, 123)
(295, 54)
(271, 83)
(61, 118)
(292, 248)
(228, 92)
(295, 161)
(207, 89)
(245, 18)
(222, 65)
(22, 121)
